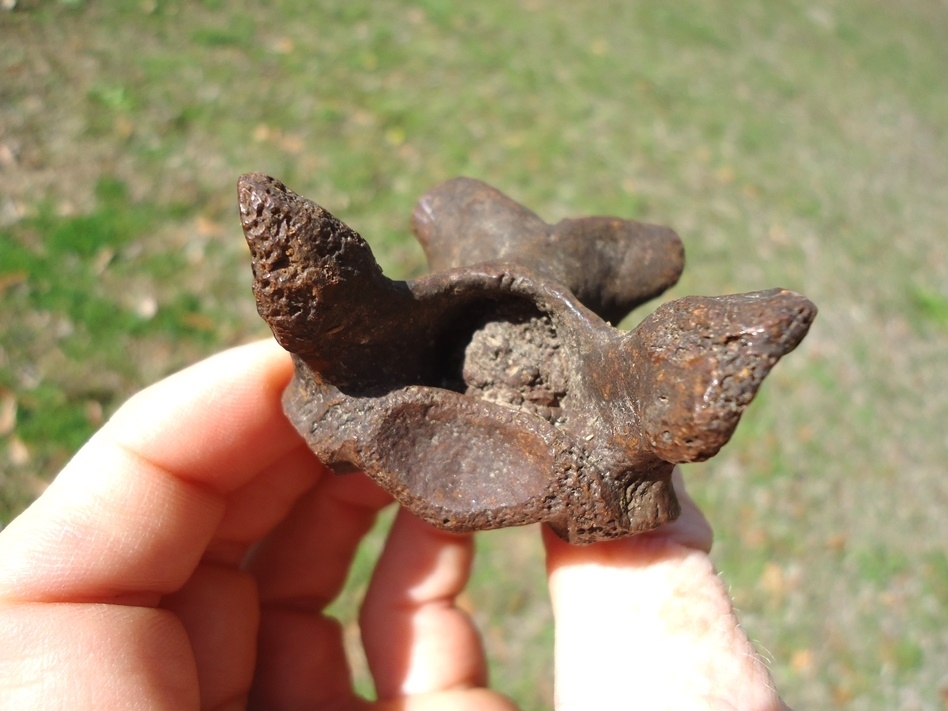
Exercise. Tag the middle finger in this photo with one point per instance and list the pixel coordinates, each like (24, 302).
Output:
(300, 568)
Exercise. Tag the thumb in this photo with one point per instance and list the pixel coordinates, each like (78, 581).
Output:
(646, 622)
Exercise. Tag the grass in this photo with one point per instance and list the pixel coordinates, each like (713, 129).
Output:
(77, 293)
(795, 144)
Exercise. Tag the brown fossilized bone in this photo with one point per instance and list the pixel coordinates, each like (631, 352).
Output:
(493, 392)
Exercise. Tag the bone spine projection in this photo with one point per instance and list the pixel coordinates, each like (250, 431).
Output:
(494, 391)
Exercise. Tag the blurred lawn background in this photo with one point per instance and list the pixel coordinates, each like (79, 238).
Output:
(795, 144)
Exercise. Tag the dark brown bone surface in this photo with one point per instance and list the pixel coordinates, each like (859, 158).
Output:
(492, 392)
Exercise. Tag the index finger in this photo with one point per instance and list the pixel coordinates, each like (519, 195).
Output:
(134, 510)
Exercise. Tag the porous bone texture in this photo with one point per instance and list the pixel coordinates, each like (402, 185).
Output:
(494, 391)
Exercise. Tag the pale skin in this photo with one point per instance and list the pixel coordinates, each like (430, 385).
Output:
(184, 558)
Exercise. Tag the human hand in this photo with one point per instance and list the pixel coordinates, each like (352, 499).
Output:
(185, 556)
(645, 622)
(188, 563)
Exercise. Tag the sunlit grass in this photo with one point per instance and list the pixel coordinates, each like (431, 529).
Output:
(803, 145)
